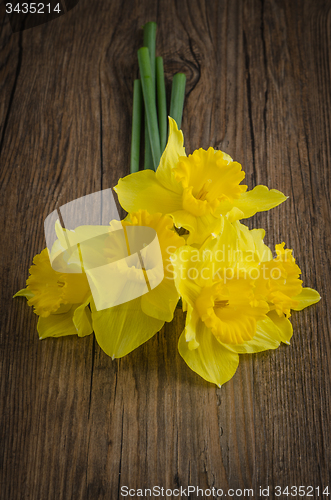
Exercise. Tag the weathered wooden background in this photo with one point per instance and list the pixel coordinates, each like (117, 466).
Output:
(75, 424)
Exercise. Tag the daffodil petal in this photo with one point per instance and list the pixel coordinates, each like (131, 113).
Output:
(234, 214)
(68, 320)
(121, 329)
(56, 325)
(251, 240)
(267, 336)
(306, 298)
(186, 287)
(224, 248)
(200, 228)
(91, 240)
(142, 191)
(211, 360)
(284, 326)
(192, 319)
(169, 159)
(263, 251)
(82, 319)
(245, 240)
(24, 293)
(186, 220)
(207, 225)
(258, 199)
(161, 302)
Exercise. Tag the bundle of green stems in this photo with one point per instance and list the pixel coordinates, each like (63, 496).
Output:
(150, 104)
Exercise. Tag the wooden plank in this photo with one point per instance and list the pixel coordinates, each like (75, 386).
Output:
(74, 423)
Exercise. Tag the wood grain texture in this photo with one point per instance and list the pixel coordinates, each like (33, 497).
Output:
(76, 425)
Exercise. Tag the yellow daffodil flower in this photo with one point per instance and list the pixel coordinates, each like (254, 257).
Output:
(196, 190)
(59, 299)
(124, 327)
(237, 298)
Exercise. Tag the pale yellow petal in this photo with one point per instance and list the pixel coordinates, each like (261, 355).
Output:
(89, 253)
(267, 336)
(68, 320)
(263, 251)
(56, 325)
(161, 302)
(82, 319)
(284, 325)
(142, 191)
(192, 319)
(223, 250)
(245, 241)
(251, 242)
(234, 214)
(211, 360)
(306, 298)
(206, 226)
(25, 292)
(258, 199)
(121, 329)
(182, 263)
(173, 151)
(186, 220)
(200, 228)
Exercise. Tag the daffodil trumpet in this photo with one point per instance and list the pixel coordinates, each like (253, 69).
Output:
(60, 300)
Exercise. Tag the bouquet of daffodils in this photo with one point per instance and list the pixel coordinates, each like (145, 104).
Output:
(182, 242)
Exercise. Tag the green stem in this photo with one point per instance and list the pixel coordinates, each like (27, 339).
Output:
(149, 42)
(161, 102)
(149, 100)
(136, 126)
(148, 158)
(177, 98)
